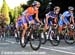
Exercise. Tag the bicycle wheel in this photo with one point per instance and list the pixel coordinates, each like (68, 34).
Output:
(17, 36)
(35, 40)
(24, 41)
(54, 38)
(69, 39)
(4, 37)
(43, 38)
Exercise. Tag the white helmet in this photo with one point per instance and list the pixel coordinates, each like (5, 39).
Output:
(35, 3)
(70, 8)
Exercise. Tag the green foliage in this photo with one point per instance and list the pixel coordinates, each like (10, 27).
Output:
(30, 2)
(0, 9)
(2, 19)
(17, 12)
(5, 11)
(24, 6)
(11, 14)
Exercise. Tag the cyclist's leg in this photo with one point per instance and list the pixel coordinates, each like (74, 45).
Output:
(18, 25)
(47, 25)
(61, 23)
(24, 26)
(17, 29)
(55, 20)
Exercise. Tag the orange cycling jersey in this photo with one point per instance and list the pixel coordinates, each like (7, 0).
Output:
(32, 11)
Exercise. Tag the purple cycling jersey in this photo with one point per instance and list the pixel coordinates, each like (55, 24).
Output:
(52, 14)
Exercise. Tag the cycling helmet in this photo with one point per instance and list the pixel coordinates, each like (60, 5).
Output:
(70, 8)
(35, 3)
(56, 7)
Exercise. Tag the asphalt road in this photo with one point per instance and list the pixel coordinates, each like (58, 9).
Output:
(11, 47)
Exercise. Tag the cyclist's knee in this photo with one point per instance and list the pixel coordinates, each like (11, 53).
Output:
(25, 27)
(46, 27)
(60, 29)
(32, 22)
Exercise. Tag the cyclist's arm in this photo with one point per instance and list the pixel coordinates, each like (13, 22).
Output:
(72, 19)
(26, 16)
(47, 17)
(36, 17)
(56, 20)
(62, 17)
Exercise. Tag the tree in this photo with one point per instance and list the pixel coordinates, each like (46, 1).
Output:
(5, 11)
(11, 15)
(17, 12)
(24, 6)
(30, 2)
(0, 9)
(2, 19)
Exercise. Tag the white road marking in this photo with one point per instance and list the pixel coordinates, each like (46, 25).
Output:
(63, 47)
(52, 49)
(4, 43)
(62, 51)
(10, 41)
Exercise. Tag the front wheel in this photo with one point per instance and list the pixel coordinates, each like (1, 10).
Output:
(54, 38)
(17, 37)
(69, 39)
(43, 38)
(24, 41)
(35, 41)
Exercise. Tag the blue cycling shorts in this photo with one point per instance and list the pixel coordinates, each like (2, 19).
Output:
(23, 20)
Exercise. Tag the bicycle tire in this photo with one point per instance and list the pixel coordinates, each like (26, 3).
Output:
(68, 41)
(35, 48)
(43, 40)
(54, 42)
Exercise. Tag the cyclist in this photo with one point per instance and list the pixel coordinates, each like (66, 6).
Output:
(19, 22)
(52, 16)
(2, 25)
(27, 17)
(19, 25)
(66, 18)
